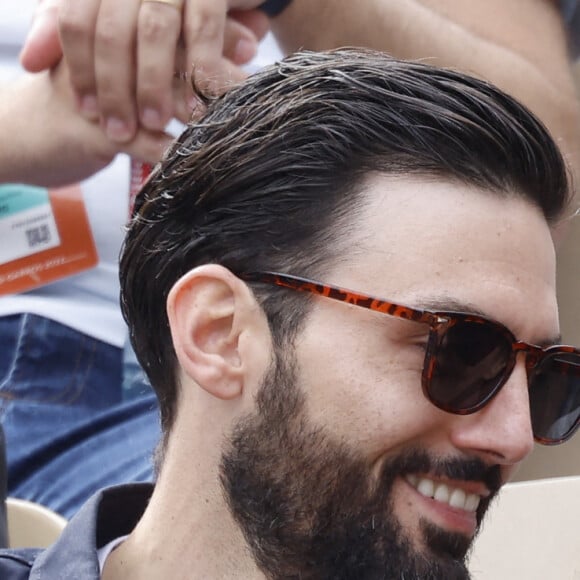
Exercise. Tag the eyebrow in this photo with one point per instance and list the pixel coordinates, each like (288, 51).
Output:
(448, 304)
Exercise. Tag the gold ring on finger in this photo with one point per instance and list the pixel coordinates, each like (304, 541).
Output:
(178, 4)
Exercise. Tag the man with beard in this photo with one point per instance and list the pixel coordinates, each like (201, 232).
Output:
(312, 431)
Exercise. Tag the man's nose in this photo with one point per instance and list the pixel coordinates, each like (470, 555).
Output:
(501, 432)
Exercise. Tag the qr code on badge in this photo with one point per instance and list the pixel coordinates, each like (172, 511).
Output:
(38, 236)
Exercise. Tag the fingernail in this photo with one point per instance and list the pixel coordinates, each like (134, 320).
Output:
(151, 119)
(89, 106)
(117, 130)
(245, 50)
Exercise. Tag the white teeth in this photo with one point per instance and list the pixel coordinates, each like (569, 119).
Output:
(426, 487)
(413, 480)
(454, 497)
(472, 502)
(457, 499)
(441, 493)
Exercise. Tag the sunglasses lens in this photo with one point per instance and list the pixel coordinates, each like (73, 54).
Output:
(471, 361)
(555, 397)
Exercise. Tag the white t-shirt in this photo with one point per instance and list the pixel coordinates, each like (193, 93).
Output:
(89, 301)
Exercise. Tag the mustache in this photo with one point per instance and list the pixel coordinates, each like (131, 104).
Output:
(454, 468)
(418, 461)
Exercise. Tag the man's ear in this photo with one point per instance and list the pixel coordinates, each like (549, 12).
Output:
(210, 310)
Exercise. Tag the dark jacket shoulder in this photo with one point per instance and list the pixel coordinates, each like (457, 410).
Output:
(109, 514)
(17, 564)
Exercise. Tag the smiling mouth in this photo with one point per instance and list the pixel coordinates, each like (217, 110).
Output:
(446, 494)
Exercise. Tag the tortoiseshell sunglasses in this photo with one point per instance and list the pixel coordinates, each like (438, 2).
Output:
(469, 358)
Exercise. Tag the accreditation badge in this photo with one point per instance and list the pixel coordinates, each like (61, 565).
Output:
(45, 235)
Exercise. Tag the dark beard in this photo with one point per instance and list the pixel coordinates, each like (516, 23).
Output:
(310, 509)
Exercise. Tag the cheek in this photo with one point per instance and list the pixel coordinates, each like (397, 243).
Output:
(365, 389)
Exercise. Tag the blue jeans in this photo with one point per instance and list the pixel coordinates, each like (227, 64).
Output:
(69, 430)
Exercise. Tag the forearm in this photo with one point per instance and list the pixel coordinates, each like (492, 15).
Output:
(492, 39)
(46, 142)
(448, 30)
(17, 160)
(41, 144)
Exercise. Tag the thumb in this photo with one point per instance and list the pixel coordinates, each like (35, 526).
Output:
(42, 49)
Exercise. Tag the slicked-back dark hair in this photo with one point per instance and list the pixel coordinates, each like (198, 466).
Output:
(270, 178)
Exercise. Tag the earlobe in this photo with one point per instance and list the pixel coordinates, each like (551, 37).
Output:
(209, 309)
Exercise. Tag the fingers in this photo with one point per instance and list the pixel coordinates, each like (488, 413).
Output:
(115, 67)
(98, 39)
(42, 49)
(164, 84)
(87, 147)
(240, 43)
(123, 56)
(159, 26)
(184, 100)
(254, 20)
(203, 31)
(148, 146)
(77, 21)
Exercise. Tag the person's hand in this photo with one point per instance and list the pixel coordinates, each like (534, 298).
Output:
(130, 62)
(56, 146)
